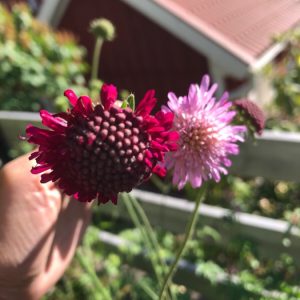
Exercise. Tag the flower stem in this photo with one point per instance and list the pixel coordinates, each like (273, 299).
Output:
(148, 228)
(188, 234)
(96, 58)
(135, 215)
(163, 188)
(138, 224)
(152, 238)
(101, 289)
(152, 295)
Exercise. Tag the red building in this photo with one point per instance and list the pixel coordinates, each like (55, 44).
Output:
(143, 55)
(167, 44)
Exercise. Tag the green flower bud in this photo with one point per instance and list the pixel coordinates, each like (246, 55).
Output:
(103, 28)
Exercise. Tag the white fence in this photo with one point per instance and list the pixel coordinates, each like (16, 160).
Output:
(274, 155)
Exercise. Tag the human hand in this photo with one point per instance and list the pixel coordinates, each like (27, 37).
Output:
(39, 232)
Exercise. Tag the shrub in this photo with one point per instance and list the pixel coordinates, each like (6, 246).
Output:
(36, 63)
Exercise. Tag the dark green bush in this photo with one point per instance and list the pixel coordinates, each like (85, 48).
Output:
(36, 63)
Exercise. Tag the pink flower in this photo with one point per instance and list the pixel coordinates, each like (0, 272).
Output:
(206, 136)
(97, 152)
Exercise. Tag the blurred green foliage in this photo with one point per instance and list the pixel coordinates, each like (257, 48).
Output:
(284, 73)
(234, 271)
(36, 63)
(268, 198)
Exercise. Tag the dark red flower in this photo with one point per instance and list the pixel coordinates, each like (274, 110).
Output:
(253, 114)
(97, 152)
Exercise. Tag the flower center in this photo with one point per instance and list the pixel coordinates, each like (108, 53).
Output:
(198, 137)
(107, 151)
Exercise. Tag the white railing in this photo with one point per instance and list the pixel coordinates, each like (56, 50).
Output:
(274, 155)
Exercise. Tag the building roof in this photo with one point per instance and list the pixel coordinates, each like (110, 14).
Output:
(245, 28)
(235, 35)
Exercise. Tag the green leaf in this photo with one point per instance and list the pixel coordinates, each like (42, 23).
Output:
(124, 104)
(210, 271)
(131, 101)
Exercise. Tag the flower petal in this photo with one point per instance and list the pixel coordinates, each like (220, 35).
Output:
(108, 94)
(160, 171)
(83, 106)
(146, 105)
(53, 122)
(71, 97)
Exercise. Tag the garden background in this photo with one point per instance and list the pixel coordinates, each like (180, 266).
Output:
(247, 242)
